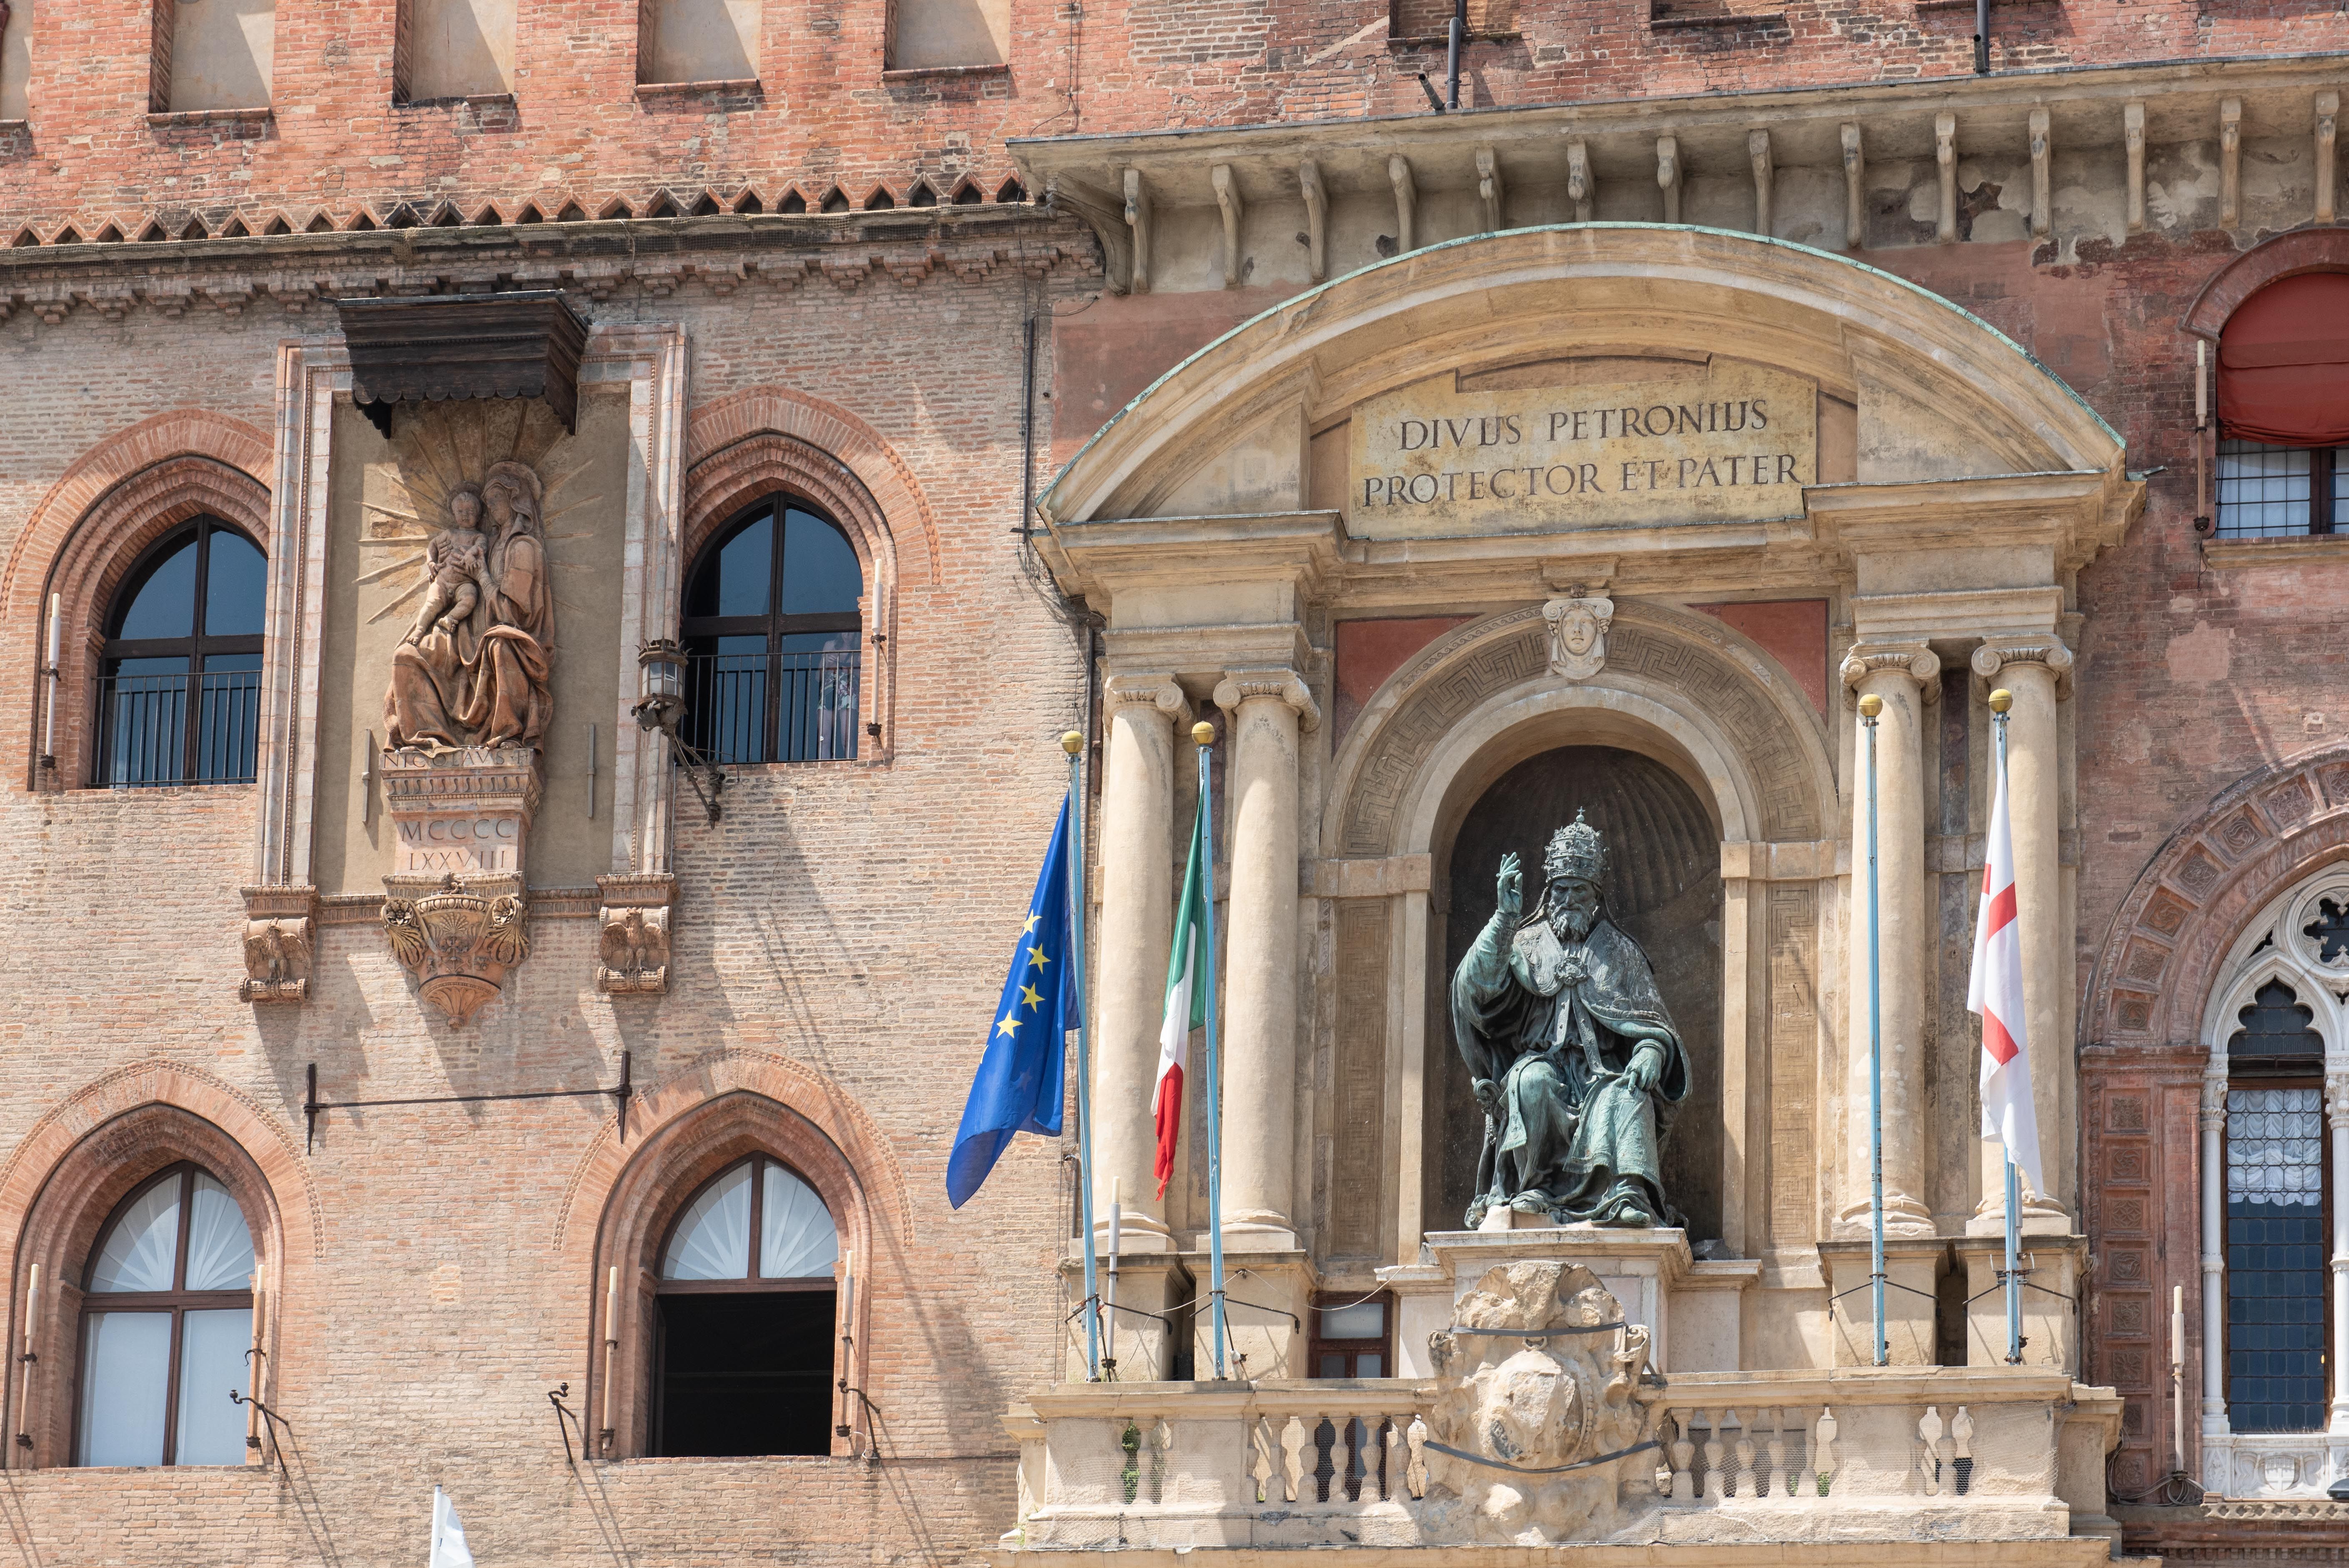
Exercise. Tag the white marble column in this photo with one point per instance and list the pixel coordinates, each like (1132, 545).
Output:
(2214, 1266)
(1266, 711)
(2035, 670)
(1136, 879)
(1906, 677)
(2336, 1121)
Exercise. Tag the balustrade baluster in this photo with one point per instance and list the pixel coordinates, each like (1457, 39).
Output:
(1961, 1456)
(1259, 1443)
(1684, 1459)
(1292, 1444)
(1823, 1451)
(1744, 1481)
(1773, 1474)
(1928, 1462)
(1715, 1451)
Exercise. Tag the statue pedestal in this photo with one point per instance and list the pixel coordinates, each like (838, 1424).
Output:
(455, 902)
(1691, 1308)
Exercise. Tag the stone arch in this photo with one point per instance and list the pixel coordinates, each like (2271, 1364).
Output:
(67, 1175)
(89, 530)
(685, 1130)
(1700, 698)
(2271, 261)
(2176, 928)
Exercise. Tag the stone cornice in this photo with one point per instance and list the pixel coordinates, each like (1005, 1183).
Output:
(596, 259)
(1301, 547)
(2076, 514)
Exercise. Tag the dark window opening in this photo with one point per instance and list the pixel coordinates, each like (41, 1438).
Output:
(745, 1329)
(2277, 1220)
(2281, 492)
(179, 689)
(1352, 1338)
(2275, 1026)
(773, 639)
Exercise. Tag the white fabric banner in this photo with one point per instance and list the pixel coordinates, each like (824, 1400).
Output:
(449, 1548)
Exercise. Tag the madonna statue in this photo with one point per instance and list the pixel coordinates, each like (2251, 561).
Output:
(483, 679)
(1569, 1049)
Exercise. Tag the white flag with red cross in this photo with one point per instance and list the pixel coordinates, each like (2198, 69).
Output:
(1996, 993)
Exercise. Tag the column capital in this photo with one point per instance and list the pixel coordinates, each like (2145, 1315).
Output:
(2336, 1101)
(1920, 664)
(2213, 1108)
(1993, 656)
(1238, 686)
(1160, 691)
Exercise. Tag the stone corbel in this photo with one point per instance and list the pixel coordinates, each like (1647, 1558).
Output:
(1228, 198)
(1578, 635)
(1667, 175)
(1317, 219)
(633, 933)
(280, 931)
(1488, 188)
(2231, 162)
(1578, 186)
(2328, 115)
(1991, 657)
(1914, 659)
(1855, 188)
(1757, 152)
(1945, 154)
(1105, 215)
(2041, 180)
(1137, 219)
(457, 936)
(1240, 685)
(1406, 195)
(2133, 135)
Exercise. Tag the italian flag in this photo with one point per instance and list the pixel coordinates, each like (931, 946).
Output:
(1996, 993)
(1186, 1001)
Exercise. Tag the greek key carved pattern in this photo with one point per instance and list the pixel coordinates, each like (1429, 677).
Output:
(1468, 665)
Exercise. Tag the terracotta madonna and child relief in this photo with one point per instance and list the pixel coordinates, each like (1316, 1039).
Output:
(1569, 1049)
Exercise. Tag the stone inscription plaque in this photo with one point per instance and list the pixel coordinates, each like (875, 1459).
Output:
(1732, 444)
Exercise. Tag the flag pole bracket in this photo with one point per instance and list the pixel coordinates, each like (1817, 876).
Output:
(311, 1105)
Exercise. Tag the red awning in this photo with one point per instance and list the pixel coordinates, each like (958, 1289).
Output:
(2283, 363)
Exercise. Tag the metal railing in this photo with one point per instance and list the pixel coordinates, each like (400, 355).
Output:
(773, 707)
(176, 729)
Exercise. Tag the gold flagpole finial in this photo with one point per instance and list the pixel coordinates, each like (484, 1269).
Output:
(1202, 733)
(1871, 706)
(1073, 742)
(2000, 700)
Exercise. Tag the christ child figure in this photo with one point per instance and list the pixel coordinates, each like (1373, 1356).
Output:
(452, 562)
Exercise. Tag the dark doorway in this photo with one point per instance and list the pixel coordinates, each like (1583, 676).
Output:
(746, 1373)
(1662, 889)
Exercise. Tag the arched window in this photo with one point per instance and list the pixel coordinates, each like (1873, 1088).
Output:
(772, 639)
(2276, 1230)
(166, 1320)
(2283, 411)
(178, 694)
(744, 1344)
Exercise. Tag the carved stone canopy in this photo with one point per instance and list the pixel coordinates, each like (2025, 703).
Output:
(523, 343)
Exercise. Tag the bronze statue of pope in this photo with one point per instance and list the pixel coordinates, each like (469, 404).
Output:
(1570, 1050)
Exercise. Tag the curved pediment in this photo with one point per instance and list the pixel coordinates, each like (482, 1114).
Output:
(1908, 389)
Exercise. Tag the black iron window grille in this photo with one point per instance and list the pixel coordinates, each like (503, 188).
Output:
(2281, 492)
(178, 696)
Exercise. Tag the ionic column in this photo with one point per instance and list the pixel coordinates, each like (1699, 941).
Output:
(2035, 671)
(2214, 1256)
(2337, 1121)
(1137, 911)
(1906, 677)
(1266, 710)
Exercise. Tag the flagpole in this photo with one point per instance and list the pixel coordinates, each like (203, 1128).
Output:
(1073, 743)
(1999, 701)
(1203, 734)
(1869, 707)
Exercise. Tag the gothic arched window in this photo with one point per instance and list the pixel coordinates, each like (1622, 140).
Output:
(166, 1321)
(742, 1350)
(2276, 1230)
(772, 639)
(179, 693)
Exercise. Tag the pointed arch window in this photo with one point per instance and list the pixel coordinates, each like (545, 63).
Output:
(2278, 1218)
(744, 1337)
(179, 692)
(773, 638)
(166, 1320)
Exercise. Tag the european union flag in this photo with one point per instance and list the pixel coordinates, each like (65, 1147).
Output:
(1021, 1083)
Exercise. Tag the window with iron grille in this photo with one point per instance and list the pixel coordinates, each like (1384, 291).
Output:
(2279, 492)
(773, 639)
(179, 687)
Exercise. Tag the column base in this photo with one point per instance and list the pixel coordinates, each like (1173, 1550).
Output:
(1911, 1267)
(1268, 1314)
(1136, 1234)
(1143, 1347)
(1254, 1230)
(1903, 1216)
(2051, 1332)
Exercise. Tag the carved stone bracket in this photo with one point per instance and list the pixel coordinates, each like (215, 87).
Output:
(1286, 685)
(280, 929)
(458, 936)
(633, 931)
(1993, 656)
(1578, 635)
(1919, 663)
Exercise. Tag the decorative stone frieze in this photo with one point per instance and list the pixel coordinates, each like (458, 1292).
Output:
(1578, 635)
(458, 936)
(632, 941)
(280, 938)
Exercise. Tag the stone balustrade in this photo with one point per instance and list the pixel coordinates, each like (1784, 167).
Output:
(1848, 1455)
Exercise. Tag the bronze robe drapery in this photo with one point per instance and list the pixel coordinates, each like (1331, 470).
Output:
(1552, 1024)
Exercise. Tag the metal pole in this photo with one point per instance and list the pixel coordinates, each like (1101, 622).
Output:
(1982, 37)
(1204, 733)
(1452, 54)
(1074, 744)
(2013, 1187)
(1869, 707)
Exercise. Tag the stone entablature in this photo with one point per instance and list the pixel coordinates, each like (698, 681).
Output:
(1176, 211)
